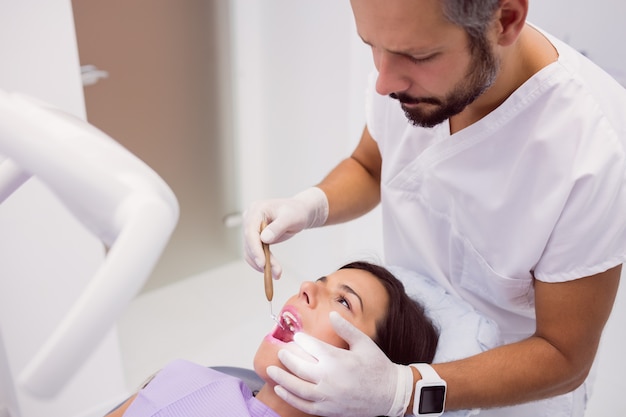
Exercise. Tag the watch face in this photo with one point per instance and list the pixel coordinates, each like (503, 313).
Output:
(431, 399)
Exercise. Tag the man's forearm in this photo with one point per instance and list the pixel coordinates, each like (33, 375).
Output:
(512, 374)
(570, 318)
(351, 191)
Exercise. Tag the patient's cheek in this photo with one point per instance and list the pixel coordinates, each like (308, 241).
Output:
(299, 352)
(328, 335)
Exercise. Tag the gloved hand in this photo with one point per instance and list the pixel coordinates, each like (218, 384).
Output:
(358, 382)
(285, 217)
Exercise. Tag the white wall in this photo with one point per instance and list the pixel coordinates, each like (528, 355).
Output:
(46, 257)
(594, 28)
(300, 70)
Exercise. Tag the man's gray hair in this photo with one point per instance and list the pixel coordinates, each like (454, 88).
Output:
(474, 16)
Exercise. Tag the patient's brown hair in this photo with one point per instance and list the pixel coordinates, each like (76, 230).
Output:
(405, 334)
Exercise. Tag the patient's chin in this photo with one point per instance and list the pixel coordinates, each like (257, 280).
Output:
(266, 355)
(261, 371)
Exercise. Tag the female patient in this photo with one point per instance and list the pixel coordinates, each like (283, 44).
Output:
(359, 291)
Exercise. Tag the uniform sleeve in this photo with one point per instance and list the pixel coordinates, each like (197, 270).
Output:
(590, 235)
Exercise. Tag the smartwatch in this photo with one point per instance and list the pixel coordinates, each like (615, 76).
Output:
(430, 392)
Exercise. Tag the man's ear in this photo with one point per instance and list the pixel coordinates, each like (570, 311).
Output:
(510, 20)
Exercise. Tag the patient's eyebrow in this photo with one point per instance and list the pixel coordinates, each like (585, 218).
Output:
(349, 289)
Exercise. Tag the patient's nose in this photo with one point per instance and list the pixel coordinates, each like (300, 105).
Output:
(309, 293)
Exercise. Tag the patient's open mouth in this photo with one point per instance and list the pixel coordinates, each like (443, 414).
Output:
(289, 324)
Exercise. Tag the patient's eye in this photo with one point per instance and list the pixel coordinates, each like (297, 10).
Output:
(344, 301)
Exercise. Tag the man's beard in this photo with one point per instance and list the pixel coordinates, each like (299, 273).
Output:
(481, 75)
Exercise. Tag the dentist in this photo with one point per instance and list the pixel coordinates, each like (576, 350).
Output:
(498, 154)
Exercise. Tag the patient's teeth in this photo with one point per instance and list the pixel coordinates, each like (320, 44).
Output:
(289, 320)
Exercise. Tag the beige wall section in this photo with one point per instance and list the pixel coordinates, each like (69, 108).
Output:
(167, 99)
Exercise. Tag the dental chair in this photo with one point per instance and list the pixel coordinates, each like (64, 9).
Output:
(248, 376)
(117, 198)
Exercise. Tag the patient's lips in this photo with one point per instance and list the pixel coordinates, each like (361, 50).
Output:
(290, 324)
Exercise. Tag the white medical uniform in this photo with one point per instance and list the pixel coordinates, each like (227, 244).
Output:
(535, 188)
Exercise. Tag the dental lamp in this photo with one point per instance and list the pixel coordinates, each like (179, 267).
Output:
(113, 194)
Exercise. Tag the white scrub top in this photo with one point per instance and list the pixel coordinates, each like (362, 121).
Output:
(536, 188)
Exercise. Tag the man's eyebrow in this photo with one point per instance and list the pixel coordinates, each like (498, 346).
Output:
(346, 288)
(409, 53)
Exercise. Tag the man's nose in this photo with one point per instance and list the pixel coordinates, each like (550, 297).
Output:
(392, 77)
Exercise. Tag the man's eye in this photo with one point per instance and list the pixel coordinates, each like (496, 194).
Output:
(421, 60)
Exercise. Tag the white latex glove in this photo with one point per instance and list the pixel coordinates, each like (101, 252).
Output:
(285, 217)
(358, 382)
